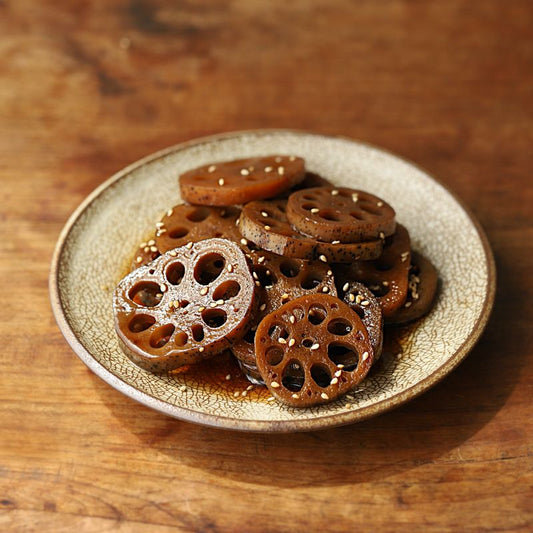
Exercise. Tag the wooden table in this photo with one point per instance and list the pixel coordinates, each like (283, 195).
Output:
(86, 89)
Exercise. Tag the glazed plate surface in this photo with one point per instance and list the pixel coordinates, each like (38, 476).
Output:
(99, 240)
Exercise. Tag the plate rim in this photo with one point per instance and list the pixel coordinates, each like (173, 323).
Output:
(254, 425)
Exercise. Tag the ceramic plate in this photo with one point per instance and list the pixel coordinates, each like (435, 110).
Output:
(101, 237)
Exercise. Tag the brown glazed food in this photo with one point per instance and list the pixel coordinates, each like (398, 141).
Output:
(242, 180)
(340, 214)
(363, 302)
(421, 293)
(191, 223)
(266, 224)
(145, 254)
(387, 276)
(319, 355)
(279, 280)
(188, 304)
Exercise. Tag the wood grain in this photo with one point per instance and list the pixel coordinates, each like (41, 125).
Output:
(88, 88)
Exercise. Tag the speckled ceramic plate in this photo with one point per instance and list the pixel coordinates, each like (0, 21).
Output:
(101, 236)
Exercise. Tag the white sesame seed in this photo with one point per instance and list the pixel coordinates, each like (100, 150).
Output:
(315, 210)
(212, 168)
(385, 283)
(160, 232)
(346, 286)
(170, 212)
(162, 287)
(281, 171)
(159, 224)
(264, 213)
(153, 248)
(274, 385)
(355, 197)
(228, 377)
(151, 242)
(146, 249)
(325, 289)
(359, 298)
(183, 388)
(245, 172)
(340, 365)
(139, 259)
(348, 406)
(324, 396)
(335, 242)
(380, 204)
(365, 303)
(261, 259)
(315, 346)
(203, 291)
(292, 158)
(257, 284)
(250, 387)
(338, 373)
(213, 304)
(281, 340)
(334, 381)
(292, 319)
(188, 245)
(285, 296)
(201, 349)
(244, 242)
(221, 182)
(142, 245)
(292, 342)
(416, 296)
(334, 192)
(278, 159)
(262, 307)
(220, 301)
(173, 253)
(381, 235)
(365, 356)
(255, 276)
(268, 169)
(323, 258)
(267, 227)
(295, 396)
(235, 394)
(351, 297)
(244, 393)
(201, 308)
(230, 268)
(408, 304)
(270, 399)
(329, 273)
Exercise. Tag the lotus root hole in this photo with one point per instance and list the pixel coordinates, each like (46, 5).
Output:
(274, 355)
(307, 343)
(311, 280)
(141, 323)
(308, 207)
(181, 338)
(146, 293)
(278, 331)
(249, 337)
(199, 214)
(214, 318)
(197, 332)
(161, 336)
(265, 276)
(328, 214)
(175, 273)
(321, 375)
(289, 268)
(317, 314)
(178, 233)
(298, 313)
(339, 326)
(357, 215)
(208, 268)
(226, 290)
(293, 376)
(343, 354)
(369, 208)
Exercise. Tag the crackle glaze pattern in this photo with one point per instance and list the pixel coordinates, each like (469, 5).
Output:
(97, 244)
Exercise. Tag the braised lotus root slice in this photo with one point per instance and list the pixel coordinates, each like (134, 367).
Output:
(188, 304)
(279, 280)
(315, 357)
(363, 302)
(423, 280)
(340, 214)
(266, 224)
(242, 180)
(387, 276)
(192, 223)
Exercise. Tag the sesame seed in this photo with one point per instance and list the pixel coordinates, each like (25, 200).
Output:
(351, 297)
(244, 242)
(153, 248)
(346, 286)
(151, 242)
(255, 276)
(338, 373)
(261, 259)
(268, 169)
(292, 319)
(201, 349)
(315, 346)
(281, 340)
(365, 303)
(355, 197)
(142, 245)
(159, 224)
(160, 232)
(212, 168)
(270, 399)
(381, 235)
(335, 242)
(323, 258)
(281, 171)
(267, 227)
(235, 394)
(315, 210)
(245, 172)
(176, 303)
(285, 296)
(334, 192)
(415, 296)
(408, 304)
(173, 253)
(244, 393)
(221, 181)
(385, 283)
(139, 259)
(365, 356)
(292, 158)
(230, 268)
(295, 396)
(278, 159)
(183, 388)
(201, 308)
(146, 249)
(220, 302)
(292, 342)
(213, 304)
(203, 291)
(262, 307)
(162, 287)
(251, 169)
(325, 289)
(334, 381)
(359, 298)
(188, 245)
(250, 387)
(257, 284)
(228, 377)
(324, 396)
(348, 406)
(170, 212)
(340, 365)
(274, 385)
(380, 204)
(264, 213)
(329, 273)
